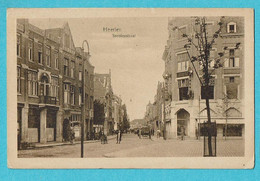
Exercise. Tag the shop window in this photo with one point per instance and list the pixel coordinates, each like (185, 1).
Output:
(33, 118)
(233, 130)
(66, 67)
(210, 92)
(51, 119)
(32, 83)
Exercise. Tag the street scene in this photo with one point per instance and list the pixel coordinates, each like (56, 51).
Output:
(132, 146)
(130, 87)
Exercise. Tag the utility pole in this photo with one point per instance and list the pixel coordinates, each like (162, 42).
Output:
(83, 102)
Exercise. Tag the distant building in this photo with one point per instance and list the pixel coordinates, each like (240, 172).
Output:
(187, 103)
(104, 93)
(151, 114)
(117, 114)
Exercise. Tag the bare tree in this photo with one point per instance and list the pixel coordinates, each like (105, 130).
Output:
(203, 41)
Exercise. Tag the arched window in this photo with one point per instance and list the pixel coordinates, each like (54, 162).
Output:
(231, 27)
(44, 85)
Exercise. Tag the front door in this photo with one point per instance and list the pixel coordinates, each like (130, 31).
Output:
(183, 118)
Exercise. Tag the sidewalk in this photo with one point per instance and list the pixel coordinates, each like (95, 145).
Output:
(52, 144)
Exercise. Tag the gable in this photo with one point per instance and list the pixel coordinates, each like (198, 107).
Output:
(67, 39)
(203, 113)
(233, 112)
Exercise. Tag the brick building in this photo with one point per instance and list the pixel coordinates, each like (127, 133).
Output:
(186, 103)
(49, 83)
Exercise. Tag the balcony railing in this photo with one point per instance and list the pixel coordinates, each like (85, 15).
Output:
(48, 100)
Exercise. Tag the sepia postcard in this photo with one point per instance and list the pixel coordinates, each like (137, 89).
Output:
(130, 88)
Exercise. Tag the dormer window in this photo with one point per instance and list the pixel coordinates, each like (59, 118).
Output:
(231, 27)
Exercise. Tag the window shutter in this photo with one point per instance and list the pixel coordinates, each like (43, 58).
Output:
(226, 61)
(236, 62)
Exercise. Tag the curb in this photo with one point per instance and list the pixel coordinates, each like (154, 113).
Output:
(67, 143)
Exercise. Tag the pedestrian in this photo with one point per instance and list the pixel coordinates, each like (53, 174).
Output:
(118, 137)
(158, 133)
(197, 133)
(72, 136)
(103, 138)
(182, 133)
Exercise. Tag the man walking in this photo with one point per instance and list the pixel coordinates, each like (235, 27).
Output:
(119, 136)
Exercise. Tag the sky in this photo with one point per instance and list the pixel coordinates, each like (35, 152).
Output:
(136, 62)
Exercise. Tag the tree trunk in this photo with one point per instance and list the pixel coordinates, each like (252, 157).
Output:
(209, 123)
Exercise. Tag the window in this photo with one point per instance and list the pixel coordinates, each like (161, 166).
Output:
(66, 93)
(182, 31)
(48, 56)
(18, 45)
(40, 53)
(232, 90)
(183, 85)
(183, 61)
(72, 69)
(32, 83)
(66, 67)
(231, 27)
(19, 80)
(55, 87)
(231, 79)
(232, 61)
(211, 61)
(233, 130)
(30, 50)
(33, 118)
(80, 72)
(183, 93)
(80, 96)
(72, 95)
(56, 60)
(210, 92)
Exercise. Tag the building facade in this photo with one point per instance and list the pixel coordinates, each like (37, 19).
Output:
(186, 104)
(49, 83)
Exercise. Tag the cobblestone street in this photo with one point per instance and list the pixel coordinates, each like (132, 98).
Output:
(132, 146)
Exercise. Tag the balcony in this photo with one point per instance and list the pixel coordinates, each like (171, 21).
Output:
(47, 100)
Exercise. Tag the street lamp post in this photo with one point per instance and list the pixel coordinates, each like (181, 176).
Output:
(83, 102)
